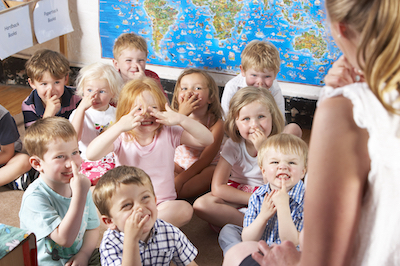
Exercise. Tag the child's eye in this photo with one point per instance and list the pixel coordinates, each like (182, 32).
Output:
(246, 119)
(128, 60)
(89, 90)
(261, 116)
(60, 157)
(198, 88)
(155, 107)
(126, 206)
(274, 162)
(183, 89)
(43, 84)
(102, 91)
(57, 82)
(294, 163)
(76, 153)
(141, 60)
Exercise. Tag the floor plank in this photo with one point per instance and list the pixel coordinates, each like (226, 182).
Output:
(12, 96)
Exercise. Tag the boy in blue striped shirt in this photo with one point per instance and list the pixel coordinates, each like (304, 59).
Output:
(275, 210)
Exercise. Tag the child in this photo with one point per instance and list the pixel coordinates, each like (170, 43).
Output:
(275, 211)
(98, 84)
(47, 75)
(146, 135)
(125, 198)
(197, 96)
(259, 67)
(253, 116)
(13, 163)
(58, 206)
(130, 56)
(353, 178)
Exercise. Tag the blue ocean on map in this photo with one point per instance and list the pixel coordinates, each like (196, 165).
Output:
(211, 34)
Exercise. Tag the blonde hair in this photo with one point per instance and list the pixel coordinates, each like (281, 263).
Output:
(246, 96)
(378, 52)
(106, 187)
(214, 107)
(285, 144)
(40, 133)
(47, 60)
(260, 55)
(98, 71)
(131, 41)
(132, 91)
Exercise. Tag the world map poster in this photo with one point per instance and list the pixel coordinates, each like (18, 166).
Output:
(211, 34)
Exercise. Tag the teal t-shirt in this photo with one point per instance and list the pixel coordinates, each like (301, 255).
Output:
(42, 211)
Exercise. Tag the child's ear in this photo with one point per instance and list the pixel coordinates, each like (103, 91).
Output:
(66, 79)
(31, 83)
(108, 221)
(242, 71)
(36, 163)
(115, 64)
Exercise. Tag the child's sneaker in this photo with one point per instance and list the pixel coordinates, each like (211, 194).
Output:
(22, 182)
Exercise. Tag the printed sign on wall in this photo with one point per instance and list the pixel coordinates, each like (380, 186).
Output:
(51, 19)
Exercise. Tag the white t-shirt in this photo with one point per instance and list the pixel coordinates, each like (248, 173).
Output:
(239, 82)
(377, 239)
(93, 124)
(245, 168)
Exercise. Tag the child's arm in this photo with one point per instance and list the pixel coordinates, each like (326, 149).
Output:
(89, 244)
(53, 104)
(287, 229)
(220, 189)
(6, 153)
(79, 116)
(67, 231)
(255, 230)
(194, 134)
(206, 157)
(133, 231)
(103, 144)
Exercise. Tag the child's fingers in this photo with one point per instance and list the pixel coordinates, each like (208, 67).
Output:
(75, 171)
(144, 220)
(283, 185)
(141, 70)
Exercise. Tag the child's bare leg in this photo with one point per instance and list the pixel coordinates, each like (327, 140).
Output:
(198, 184)
(239, 252)
(176, 212)
(217, 211)
(14, 168)
(294, 129)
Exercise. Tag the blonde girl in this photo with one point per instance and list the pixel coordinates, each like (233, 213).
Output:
(98, 84)
(197, 96)
(146, 135)
(350, 215)
(253, 116)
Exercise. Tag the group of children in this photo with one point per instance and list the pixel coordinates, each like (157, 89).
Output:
(145, 157)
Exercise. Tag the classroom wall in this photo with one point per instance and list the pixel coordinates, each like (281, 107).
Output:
(84, 48)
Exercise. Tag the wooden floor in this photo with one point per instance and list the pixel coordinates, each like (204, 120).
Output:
(12, 96)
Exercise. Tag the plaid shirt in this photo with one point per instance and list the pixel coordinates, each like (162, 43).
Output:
(166, 243)
(296, 201)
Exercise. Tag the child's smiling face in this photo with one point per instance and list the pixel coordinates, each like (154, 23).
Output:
(147, 103)
(278, 166)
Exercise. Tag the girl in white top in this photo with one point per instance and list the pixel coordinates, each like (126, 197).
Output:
(98, 84)
(146, 135)
(253, 116)
(196, 95)
(350, 214)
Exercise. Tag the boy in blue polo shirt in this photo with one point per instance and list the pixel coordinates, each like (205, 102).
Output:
(47, 75)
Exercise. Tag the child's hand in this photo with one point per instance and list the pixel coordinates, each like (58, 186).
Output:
(257, 138)
(53, 104)
(188, 103)
(87, 100)
(79, 183)
(131, 120)
(281, 197)
(134, 224)
(168, 118)
(78, 259)
(268, 208)
(342, 73)
(140, 73)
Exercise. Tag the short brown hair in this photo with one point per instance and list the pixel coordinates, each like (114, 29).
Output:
(40, 133)
(47, 60)
(129, 40)
(246, 96)
(286, 144)
(260, 55)
(112, 179)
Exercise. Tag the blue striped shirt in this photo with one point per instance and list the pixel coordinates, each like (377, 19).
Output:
(296, 202)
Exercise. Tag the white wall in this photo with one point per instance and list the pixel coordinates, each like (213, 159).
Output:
(84, 48)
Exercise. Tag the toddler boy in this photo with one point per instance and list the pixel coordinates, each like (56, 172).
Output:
(259, 68)
(13, 163)
(130, 57)
(275, 210)
(58, 205)
(126, 201)
(47, 73)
